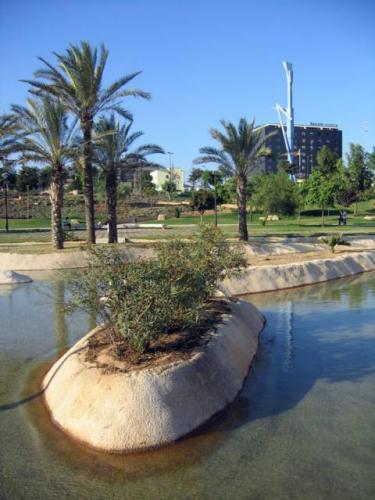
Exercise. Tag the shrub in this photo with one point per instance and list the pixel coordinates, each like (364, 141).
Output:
(276, 194)
(333, 240)
(143, 299)
(69, 236)
(203, 199)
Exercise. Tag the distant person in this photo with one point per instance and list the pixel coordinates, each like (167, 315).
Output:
(341, 217)
(344, 217)
(67, 223)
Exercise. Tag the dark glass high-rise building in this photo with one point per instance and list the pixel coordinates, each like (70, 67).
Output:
(308, 140)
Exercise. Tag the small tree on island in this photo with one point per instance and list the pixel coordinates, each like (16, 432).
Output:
(141, 300)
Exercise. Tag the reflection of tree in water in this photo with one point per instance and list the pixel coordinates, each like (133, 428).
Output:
(61, 328)
(356, 289)
(92, 322)
(289, 337)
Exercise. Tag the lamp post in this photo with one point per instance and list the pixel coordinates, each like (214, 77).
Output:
(5, 180)
(170, 159)
(215, 198)
(170, 153)
(6, 207)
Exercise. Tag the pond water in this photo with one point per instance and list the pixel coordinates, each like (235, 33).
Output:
(302, 428)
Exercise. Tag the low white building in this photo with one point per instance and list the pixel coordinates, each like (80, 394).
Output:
(175, 175)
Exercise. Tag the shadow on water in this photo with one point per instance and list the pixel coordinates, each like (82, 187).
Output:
(305, 340)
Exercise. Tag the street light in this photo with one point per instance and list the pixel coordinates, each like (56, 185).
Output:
(5, 179)
(215, 198)
(214, 176)
(170, 181)
(170, 159)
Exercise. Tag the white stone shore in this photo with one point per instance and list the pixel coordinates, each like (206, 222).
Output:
(276, 277)
(151, 407)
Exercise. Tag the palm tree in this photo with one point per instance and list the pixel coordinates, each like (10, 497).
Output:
(239, 149)
(46, 140)
(8, 135)
(78, 82)
(112, 143)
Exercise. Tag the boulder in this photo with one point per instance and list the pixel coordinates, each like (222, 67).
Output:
(13, 278)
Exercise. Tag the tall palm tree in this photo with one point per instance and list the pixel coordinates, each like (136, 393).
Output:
(46, 140)
(113, 153)
(78, 82)
(239, 149)
(8, 135)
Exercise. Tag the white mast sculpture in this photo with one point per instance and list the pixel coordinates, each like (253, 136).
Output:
(288, 113)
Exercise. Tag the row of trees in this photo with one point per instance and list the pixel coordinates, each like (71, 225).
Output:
(70, 120)
(27, 177)
(66, 121)
(331, 183)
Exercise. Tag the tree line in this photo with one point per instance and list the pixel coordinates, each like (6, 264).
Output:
(71, 121)
(332, 182)
(70, 118)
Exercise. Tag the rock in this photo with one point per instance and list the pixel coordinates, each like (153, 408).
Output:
(270, 218)
(12, 278)
(161, 217)
(150, 407)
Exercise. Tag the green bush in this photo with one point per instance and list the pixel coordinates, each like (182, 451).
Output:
(202, 198)
(276, 194)
(333, 240)
(143, 299)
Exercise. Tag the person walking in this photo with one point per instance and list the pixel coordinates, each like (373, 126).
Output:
(341, 219)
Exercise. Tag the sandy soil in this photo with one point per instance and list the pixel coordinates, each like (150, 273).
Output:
(289, 258)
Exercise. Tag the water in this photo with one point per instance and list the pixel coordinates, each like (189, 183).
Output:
(302, 428)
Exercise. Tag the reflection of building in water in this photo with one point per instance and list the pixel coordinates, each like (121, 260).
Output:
(285, 327)
(289, 336)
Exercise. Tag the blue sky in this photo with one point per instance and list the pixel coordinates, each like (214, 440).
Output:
(207, 60)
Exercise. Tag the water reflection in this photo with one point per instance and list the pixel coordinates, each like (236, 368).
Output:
(310, 385)
(61, 327)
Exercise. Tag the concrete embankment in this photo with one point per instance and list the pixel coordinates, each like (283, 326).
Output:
(58, 260)
(276, 277)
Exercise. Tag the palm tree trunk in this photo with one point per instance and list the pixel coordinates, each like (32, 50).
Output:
(88, 185)
(111, 191)
(56, 196)
(241, 190)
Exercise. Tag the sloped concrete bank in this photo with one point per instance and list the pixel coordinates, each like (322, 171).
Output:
(151, 407)
(58, 260)
(276, 277)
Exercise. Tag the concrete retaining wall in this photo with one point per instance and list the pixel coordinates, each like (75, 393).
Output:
(275, 277)
(63, 260)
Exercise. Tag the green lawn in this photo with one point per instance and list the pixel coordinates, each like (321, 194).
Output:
(308, 225)
(26, 223)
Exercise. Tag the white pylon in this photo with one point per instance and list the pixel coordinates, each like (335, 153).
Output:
(288, 113)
